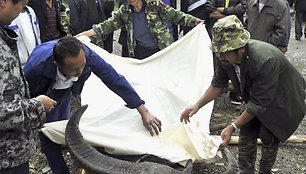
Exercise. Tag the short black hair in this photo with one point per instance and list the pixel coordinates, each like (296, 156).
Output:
(16, 1)
(67, 46)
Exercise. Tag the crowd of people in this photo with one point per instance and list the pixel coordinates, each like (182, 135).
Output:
(43, 65)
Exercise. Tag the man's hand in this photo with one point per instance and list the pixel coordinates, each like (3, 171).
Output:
(220, 9)
(88, 33)
(47, 102)
(226, 135)
(189, 113)
(217, 15)
(198, 21)
(152, 123)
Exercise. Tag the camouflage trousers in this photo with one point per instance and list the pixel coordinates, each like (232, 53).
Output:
(248, 149)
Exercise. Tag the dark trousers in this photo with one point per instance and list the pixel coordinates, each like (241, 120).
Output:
(125, 51)
(108, 42)
(53, 152)
(247, 148)
(21, 169)
(142, 52)
(299, 24)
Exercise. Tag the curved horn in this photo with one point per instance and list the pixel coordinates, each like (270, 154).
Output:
(94, 162)
(232, 165)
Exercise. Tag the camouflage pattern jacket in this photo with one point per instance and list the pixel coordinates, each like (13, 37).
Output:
(20, 116)
(157, 14)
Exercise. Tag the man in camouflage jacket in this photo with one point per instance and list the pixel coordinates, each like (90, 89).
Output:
(20, 116)
(157, 15)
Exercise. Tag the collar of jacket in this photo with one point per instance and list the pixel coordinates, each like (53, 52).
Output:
(9, 36)
(50, 68)
(255, 2)
(128, 7)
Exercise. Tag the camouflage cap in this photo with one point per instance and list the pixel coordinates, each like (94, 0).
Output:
(228, 34)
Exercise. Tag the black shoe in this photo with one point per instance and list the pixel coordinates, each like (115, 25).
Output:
(236, 99)
(297, 38)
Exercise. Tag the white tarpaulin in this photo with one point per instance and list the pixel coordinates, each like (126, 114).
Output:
(168, 81)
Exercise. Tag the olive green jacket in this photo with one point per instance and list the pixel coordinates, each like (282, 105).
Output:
(157, 14)
(272, 88)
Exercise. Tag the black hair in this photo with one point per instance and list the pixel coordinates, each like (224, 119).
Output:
(15, 1)
(67, 46)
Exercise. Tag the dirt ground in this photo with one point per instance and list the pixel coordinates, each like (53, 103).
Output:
(291, 157)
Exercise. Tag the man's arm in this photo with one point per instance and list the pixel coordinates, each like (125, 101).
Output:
(217, 14)
(211, 8)
(238, 10)
(168, 13)
(111, 24)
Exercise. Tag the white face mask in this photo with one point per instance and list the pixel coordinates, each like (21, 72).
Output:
(62, 82)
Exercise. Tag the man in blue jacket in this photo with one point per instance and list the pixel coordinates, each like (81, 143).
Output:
(59, 69)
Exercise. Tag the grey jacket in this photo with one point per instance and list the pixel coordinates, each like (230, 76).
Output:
(274, 91)
(20, 116)
(270, 24)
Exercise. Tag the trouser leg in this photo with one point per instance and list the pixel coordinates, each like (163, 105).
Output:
(54, 155)
(108, 42)
(247, 149)
(247, 146)
(298, 25)
(268, 157)
(125, 51)
(269, 150)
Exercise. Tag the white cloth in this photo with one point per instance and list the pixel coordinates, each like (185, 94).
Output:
(168, 81)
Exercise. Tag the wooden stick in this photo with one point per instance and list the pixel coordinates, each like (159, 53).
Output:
(291, 139)
(218, 127)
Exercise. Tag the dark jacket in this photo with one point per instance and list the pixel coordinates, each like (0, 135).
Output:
(40, 9)
(236, 7)
(40, 72)
(79, 11)
(270, 25)
(273, 89)
(300, 5)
